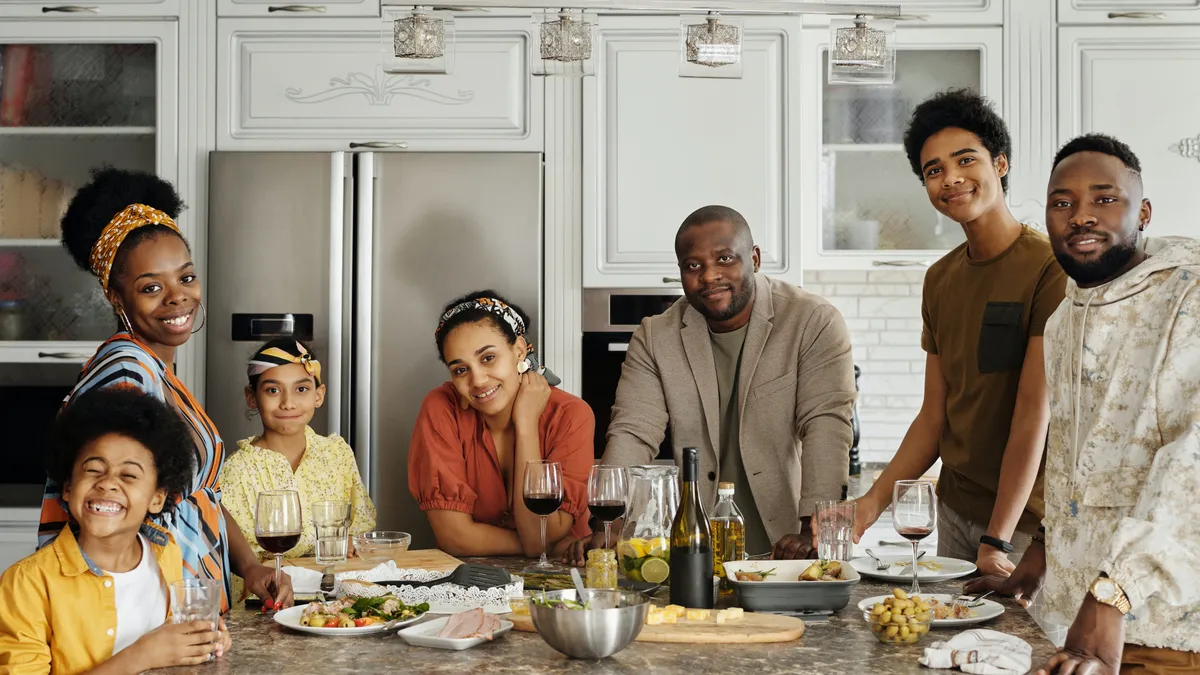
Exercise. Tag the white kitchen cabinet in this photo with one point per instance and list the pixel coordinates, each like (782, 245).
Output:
(303, 8)
(1128, 11)
(658, 146)
(303, 85)
(78, 95)
(1098, 68)
(18, 534)
(862, 207)
(933, 12)
(88, 9)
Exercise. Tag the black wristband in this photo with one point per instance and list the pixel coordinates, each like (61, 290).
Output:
(995, 543)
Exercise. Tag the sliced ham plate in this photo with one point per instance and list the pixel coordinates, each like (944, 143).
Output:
(474, 623)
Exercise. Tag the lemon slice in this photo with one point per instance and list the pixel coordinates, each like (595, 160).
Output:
(626, 549)
(655, 570)
(658, 546)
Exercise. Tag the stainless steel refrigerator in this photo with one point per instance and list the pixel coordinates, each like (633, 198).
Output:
(360, 252)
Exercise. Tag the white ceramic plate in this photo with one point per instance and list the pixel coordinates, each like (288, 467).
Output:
(901, 568)
(290, 618)
(425, 635)
(985, 612)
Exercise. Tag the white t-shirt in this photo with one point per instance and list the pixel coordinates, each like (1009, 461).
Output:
(141, 599)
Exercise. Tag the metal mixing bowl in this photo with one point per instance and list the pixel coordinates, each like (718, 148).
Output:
(615, 620)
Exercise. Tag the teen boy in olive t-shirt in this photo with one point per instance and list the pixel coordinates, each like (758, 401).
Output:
(984, 307)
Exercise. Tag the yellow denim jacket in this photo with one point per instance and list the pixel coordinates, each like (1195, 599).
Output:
(58, 611)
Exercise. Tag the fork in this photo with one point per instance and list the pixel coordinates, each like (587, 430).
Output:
(970, 601)
(879, 564)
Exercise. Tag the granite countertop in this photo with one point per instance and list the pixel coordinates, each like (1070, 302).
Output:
(843, 645)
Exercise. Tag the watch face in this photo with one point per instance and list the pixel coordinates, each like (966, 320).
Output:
(1105, 589)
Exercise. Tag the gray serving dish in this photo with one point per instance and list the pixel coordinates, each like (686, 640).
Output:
(783, 592)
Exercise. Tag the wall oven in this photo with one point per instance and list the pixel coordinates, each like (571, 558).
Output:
(609, 319)
(31, 395)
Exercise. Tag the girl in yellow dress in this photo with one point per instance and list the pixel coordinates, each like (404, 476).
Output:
(285, 390)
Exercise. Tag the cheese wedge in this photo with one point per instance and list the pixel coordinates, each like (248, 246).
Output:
(697, 614)
(669, 618)
(654, 617)
(734, 612)
(678, 610)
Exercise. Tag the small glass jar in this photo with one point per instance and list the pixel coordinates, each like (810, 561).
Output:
(602, 568)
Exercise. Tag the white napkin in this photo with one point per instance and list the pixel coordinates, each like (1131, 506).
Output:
(304, 580)
(981, 652)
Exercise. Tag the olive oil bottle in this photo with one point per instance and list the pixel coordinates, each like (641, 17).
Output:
(691, 542)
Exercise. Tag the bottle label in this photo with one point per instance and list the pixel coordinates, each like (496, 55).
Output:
(692, 578)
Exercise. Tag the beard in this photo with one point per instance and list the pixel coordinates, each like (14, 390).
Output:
(1102, 269)
(739, 297)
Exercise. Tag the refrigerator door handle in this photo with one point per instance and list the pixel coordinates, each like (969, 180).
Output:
(337, 237)
(364, 194)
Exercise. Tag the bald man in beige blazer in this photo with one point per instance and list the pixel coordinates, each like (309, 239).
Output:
(754, 372)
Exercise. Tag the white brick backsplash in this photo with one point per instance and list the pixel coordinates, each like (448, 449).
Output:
(889, 306)
(882, 310)
(899, 337)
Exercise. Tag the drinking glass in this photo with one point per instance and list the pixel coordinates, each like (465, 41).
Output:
(543, 495)
(608, 488)
(914, 515)
(277, 525)
(196, 600)
(834, 522)
(331, 519)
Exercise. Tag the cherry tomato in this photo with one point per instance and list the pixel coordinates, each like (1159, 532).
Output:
(362, 622)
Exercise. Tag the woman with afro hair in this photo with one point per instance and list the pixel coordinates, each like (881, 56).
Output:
(121, 228)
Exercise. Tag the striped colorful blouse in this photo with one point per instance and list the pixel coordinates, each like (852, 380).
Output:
(196, 521)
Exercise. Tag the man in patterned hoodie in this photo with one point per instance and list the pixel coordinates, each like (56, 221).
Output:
(1120, 555)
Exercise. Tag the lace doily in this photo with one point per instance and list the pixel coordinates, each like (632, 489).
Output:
(443, 599)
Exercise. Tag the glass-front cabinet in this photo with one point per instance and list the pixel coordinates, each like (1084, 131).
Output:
(74, 96)
(863, 207)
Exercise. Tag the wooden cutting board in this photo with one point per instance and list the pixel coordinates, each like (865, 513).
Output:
(750, 628)
(425, 559)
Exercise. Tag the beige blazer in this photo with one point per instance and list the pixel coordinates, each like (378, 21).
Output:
(795, 394)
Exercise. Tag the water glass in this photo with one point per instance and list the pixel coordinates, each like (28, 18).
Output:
(332, 522)
(196, 600)
(834, 524)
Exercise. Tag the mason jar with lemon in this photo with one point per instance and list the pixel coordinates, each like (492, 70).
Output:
(645, 560)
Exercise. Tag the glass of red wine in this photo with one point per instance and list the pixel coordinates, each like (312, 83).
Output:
(543, 495)
(914, 515)
(608, 487)
(277, 525)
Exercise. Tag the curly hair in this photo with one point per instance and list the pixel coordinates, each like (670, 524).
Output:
(108, 193)
(477, 315)
(130, 413)
(1101, 143)
(961, 109)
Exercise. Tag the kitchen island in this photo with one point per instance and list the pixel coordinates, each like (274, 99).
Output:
(842, 645)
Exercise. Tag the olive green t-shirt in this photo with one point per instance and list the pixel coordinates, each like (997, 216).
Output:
(978, 319)
(727, 355)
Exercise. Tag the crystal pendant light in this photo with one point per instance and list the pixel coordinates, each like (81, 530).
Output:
(710, 46)
(566, 44)
(417, 41)
(862, 52)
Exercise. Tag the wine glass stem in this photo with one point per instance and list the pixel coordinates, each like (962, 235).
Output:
(543, 561)
(278, 570)
(916, 588)
(606, 524)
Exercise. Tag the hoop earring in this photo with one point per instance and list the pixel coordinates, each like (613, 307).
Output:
(125, 320)
(203, 318)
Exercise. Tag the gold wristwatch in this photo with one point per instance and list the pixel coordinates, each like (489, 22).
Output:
(1107, 591)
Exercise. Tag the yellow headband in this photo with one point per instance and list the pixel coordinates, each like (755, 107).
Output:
(104, 251)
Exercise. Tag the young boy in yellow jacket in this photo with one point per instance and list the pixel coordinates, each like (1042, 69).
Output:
(96, 599)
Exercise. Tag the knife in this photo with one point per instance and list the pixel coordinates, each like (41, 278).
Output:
(327, 583)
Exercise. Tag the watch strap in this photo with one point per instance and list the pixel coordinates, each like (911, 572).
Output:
(996, 543)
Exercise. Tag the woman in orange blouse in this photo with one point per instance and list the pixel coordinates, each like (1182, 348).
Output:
(475, 434)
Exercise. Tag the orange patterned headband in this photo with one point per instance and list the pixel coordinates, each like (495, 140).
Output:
(104, 251)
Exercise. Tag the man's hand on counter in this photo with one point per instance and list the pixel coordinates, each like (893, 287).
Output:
(1024, 582)
(1094, 642)
(800, 546)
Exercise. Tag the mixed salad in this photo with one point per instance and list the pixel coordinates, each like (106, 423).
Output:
(359, 612)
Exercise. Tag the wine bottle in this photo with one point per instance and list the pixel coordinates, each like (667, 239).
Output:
(691, 542)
